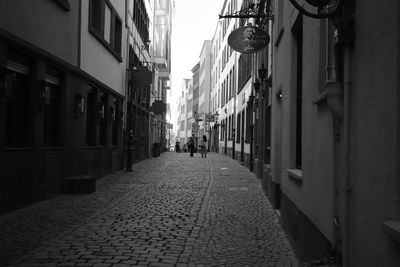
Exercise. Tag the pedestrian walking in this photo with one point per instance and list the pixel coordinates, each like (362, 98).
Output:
(191, 145)
(203, 147)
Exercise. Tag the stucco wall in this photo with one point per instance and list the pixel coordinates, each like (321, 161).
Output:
(45, 25)
(96, 59)
(374, 101)
(314, 194)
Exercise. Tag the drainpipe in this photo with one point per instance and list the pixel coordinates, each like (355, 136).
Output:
(338, 99)
(346, 157)
(334, 91)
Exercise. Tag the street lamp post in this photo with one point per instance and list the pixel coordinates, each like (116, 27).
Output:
(250, 106)
(216, 140)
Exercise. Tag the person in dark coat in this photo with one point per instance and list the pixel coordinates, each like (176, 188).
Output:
(191, 145)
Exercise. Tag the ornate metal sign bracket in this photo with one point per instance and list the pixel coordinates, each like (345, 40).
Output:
(262, 10)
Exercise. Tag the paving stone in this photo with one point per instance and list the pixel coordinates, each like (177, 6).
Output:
(171, 211)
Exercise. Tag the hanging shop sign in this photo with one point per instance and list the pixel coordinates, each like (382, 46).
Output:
(209, 117)
(248, 39)
(159, 107)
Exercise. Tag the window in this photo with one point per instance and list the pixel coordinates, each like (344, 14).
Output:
(248, 122)
(238, 129)
(17, 104)
(52, 111)
(115, 121)
(141, 19)
(298, 57)
(91, 117)
(244, 70)
(106, 25)
(103, 99)
(229, 128)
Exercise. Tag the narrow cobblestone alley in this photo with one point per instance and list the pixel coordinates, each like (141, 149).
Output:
(173, 210)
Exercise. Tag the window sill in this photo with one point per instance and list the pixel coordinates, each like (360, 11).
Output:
(392, 229)
(295, 174)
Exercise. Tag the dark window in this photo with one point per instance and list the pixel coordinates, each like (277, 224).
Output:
(248, 122)
(115, 121)
(229, 128)
(117, 35)
(103, 99)
(298, 38)
(244, 70)
(52, 91)
(238, 129)
(17, 104)
(141, 19)
(267, 125)
(96, 16)
(243, 124)
(91, 117)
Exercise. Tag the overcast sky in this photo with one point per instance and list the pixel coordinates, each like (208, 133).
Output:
(194, 22)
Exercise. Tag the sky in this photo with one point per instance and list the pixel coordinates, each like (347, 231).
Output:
(194, 22)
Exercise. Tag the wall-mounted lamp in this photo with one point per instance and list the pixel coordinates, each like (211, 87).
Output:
(216, 115)
(79, 103)
(101, 111)
(262, 72)
(113, 115)
(44, 95)
(250, 101)
(257, 86)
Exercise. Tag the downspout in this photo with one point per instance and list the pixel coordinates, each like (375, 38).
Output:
(334, 91)
(346, 157)
(340, 38)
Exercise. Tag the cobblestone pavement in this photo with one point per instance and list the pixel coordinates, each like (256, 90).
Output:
(174, 210)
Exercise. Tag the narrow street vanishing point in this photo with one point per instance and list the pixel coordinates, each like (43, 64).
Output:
(173, 210)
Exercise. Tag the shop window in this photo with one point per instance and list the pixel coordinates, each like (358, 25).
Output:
(238, 128)
(17, 104)
(52, 92)
(229, 128)
(248, 122)
(115, 122)
(91, 117)
(102, 108)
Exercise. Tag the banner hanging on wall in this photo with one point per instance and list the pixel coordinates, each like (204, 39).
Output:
(248, 39)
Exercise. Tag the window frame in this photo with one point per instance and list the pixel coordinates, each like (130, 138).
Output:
(115, 46)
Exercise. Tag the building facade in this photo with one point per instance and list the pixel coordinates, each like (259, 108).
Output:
(60, 108)
(333, 131)
(80, 101)
(204, 88)
(318, 112)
